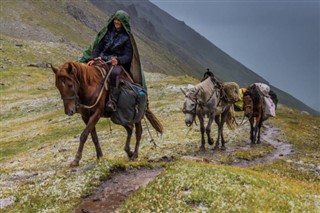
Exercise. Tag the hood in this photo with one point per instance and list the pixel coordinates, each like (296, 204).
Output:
(123, 17)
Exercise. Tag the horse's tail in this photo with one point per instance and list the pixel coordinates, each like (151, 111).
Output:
(154, 121)
(231, 119)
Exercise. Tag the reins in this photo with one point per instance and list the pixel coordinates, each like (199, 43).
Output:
(102, 71)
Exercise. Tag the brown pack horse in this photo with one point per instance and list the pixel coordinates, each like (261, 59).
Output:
(82, 91)
(254, 109)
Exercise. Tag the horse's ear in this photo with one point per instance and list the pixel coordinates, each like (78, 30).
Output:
(183, 91)
(55, 70)
(71, 68)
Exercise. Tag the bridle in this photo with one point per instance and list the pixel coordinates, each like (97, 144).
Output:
(76, 84)
(75, 97)
(193, 111)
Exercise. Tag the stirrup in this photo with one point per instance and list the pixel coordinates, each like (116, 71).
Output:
(111, 106)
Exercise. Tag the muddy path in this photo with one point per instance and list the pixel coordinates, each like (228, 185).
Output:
(114, 191)
(122, 184)
(269, 136)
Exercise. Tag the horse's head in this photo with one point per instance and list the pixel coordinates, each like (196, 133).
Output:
(190, 105)
(247, 104)
(68, 86)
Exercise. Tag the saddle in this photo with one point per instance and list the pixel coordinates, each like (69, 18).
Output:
(124, 75)
(132, 100)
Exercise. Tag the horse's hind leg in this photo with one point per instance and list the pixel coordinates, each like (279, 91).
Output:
(138, 138)
(96, 143)
(208, 130)
(129, 129)
(220, 131)
(259, 129)
(217, 120)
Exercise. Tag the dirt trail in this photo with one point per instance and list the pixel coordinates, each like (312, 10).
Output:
(113, 192)
(109, 196)
(268, 135)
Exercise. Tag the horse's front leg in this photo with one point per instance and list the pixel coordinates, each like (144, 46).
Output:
(138, 138)
(129, 129)
(203, 141)
(252, 130)
(208, 129)
(259, 129)
(217, 120)
(91, 122)
(96, 143)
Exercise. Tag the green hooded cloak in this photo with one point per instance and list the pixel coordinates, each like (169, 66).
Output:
(135, 68)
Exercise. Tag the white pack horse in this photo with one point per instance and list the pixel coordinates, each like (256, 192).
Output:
(215, 100)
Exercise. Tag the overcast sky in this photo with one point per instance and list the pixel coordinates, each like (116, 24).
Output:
(277, 39)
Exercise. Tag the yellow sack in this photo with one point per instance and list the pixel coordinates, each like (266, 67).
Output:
(239, 104)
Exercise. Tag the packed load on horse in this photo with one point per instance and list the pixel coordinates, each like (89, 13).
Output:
(270, 99)
(257, 109)
(214, 100)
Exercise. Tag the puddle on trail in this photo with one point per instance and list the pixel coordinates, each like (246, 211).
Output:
(268, 136)
(114, 191)
(281, 149)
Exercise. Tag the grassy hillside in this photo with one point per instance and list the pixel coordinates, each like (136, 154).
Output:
(166, 45)
(38, 142)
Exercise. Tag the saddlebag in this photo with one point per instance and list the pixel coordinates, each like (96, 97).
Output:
(131, 105)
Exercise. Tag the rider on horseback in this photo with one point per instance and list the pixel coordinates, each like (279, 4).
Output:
(115, 43)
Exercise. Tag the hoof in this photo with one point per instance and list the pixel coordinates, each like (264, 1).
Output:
(130, 154)
(215, 147)
(210, 142)
(133, 157)
(74, 163)
(223, 148)
(202, 149)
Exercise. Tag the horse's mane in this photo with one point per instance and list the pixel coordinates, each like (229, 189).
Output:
(205, 87)
(86, 74)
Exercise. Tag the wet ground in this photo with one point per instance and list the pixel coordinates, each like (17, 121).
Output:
(121, 185)
(268, 136)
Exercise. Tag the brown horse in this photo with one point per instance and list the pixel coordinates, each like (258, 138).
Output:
(82, 91)
(254, 110)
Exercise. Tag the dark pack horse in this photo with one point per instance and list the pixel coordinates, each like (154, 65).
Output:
(82, 89)
(212, 99)
(254, 109)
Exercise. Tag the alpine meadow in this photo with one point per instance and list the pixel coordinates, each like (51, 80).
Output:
(39, 141)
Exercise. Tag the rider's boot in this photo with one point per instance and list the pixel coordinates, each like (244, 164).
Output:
(111, 105)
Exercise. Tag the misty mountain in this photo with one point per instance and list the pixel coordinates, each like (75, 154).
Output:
(166, 44)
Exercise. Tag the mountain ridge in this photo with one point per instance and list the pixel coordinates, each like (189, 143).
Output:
(166, 44)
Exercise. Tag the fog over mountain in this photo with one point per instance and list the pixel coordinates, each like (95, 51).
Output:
(279, 40)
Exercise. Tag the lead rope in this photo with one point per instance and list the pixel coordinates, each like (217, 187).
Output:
(127, 73)
(152, 140)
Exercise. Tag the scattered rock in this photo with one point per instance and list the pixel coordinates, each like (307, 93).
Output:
(4, 202)
(41, 64)
(305, 113)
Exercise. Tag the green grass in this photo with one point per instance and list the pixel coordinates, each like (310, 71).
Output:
(196, 187)
(38, 142)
